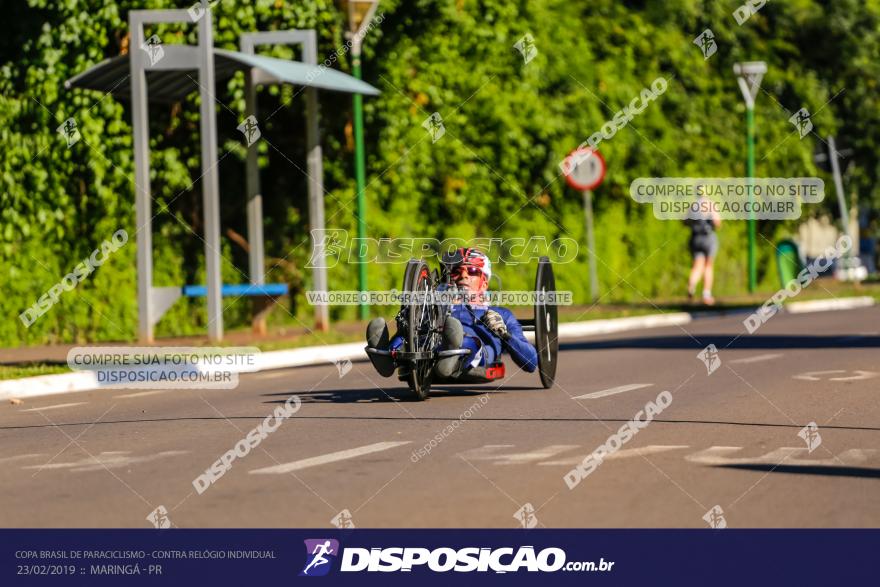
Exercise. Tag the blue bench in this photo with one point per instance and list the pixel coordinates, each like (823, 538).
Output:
(263, 295)
(240, 290)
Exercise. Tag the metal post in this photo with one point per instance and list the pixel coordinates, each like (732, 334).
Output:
(315, 159)
(748, 77)
(143, 208)
(256, 252)
(256, 260)
(591, 245)
(308, 39)
(838, 186)
(750, 172)
(360, 175)
(210, 179)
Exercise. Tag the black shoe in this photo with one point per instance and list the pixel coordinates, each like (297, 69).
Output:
(453, 336)
(377, 338)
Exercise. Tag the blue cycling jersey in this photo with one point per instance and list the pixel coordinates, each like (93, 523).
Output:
(478, 337)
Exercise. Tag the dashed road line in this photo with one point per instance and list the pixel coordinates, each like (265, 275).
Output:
(715, 455)
(757, 358)
(55, 407)
(275, 374)
(142, 393)
(623, 453)
(107, 460)
(491, 452)
(613, 391)
(332, 457)
(721, 455)
(19, 457)
(859, 376)
(819, 375)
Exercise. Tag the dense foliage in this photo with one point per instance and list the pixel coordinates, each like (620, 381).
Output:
(493, 174)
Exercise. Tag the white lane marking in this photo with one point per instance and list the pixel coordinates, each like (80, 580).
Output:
(535, 455)
(489, 452)
(613, 390)
(818, 375)
(142, 393)
(29, 456)
(814, 375)
(757, 358)
(860, 375)
(485, 452)
(106, 460)
(720, 455)
(274, 375)
(55, 407)
(332, 457)
(623, 453)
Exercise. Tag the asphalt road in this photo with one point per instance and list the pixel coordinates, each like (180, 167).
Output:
(728, 439)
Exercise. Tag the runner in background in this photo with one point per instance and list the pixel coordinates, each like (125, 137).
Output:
(703, 245)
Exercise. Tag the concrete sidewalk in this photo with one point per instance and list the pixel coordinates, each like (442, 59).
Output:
(331, 354)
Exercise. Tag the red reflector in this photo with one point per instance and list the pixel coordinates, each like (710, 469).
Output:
(495, 372)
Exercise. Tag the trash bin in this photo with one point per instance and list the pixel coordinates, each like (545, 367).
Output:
(788, 261)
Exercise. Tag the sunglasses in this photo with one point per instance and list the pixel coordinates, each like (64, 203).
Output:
(469, 269)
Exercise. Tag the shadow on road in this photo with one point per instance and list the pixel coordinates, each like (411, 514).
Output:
(828, 470)
(728, 341)
(395, 394)
(258, 417)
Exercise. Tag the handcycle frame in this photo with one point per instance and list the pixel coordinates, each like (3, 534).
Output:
(421, 324)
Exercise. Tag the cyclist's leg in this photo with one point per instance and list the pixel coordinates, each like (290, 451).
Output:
(453, 338)
(377, 338)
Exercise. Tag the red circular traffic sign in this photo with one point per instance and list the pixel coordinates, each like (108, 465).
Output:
(584, 169)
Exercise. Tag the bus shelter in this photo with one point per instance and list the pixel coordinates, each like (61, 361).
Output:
(169, 73)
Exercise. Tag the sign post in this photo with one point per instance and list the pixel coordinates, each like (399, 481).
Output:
(591, 245)
(838, 186)
(584, 170)
(748, 76)
(360, 15)
(851, 268)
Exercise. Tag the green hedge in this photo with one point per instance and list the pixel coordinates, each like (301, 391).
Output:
(494, 173)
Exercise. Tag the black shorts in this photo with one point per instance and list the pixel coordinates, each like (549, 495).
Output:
(704, 245)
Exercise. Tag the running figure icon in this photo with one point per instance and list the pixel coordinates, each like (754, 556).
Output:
(318, 554)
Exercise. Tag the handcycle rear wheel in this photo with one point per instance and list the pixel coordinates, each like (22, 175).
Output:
(546, 325)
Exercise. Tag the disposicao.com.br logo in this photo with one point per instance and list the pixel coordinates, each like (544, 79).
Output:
(442, 560)
(320, 554)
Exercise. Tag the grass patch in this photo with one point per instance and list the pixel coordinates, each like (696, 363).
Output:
(31, 370)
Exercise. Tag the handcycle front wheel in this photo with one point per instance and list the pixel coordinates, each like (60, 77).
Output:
(422, 333)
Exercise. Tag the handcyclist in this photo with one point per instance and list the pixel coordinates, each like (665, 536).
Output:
(486, 331)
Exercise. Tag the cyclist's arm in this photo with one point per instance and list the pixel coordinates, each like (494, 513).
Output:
(520, 349)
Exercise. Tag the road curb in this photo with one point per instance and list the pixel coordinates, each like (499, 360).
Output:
(47, 385)
(354, 351)
(826, 305)
(610, 325)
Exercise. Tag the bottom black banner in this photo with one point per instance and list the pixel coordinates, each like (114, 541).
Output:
(609, 557)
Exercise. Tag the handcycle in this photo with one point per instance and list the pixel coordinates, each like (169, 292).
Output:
(421, 318)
